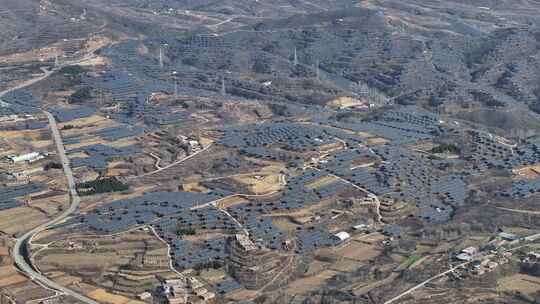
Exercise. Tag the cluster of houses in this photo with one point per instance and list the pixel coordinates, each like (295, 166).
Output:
(184, 290)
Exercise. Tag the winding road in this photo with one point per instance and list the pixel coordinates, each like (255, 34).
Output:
(21, 242)
(19, 249)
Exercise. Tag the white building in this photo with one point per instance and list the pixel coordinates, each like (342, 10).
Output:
(25, 157)
(144, 296)
(342, 236)
(469, 250)
(463, 257)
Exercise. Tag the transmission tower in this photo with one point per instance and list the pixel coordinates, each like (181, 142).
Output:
(223, 90)
(175, 84)
(161, 57)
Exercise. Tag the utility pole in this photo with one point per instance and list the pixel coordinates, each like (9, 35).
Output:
(317, 71)
(295, 60)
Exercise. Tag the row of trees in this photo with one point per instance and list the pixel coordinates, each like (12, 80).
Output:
(104, 185)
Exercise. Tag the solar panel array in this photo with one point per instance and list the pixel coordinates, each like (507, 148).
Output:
(121, 215)
(119, 132)
(188, 254)
(264, 230)
(227, 286)
(314, 237)
(8, 195)
(19, 102)
(99, 155)
(407, 125)
(522, 189)
(22, 98)
(403, 175)
(72, 113)
(291, 136)
(486, 152)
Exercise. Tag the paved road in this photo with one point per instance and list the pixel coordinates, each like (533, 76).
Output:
(75, 201)
(21, 242)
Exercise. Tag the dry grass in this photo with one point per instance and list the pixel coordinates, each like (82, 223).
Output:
(377, 141)
(20, 219)
(6, 271)
(204, 235)
(321, 182)
(50, 205)
(357, 251)
(212, 275)
(205, 141)
(67, 280)
(263, 185)
(285, 224)
(41, 144)
(89, 204)
(520, 282)
(98, 60)
(77, 155)
(117, 172)
(194, 187)
(303, 214)
(85, 143)
(241, 294)
(103, 296)
(345, 265)
(124, 142)
(527, 172)
(12, 280)
(86, 121)
(270, 166)
(31, 135)
(308, 284)
(373, 238)
(364, 134)
(346, 102)
(80, 260)
(231, 201)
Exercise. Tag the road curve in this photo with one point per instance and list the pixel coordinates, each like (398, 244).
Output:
(75, 201)
(30, 82)
(21, 242)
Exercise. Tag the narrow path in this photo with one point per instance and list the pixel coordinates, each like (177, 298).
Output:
(532, 212)
(171, 263)
(157, 158)
(171, 165)
(376, 202)
(410, 290)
